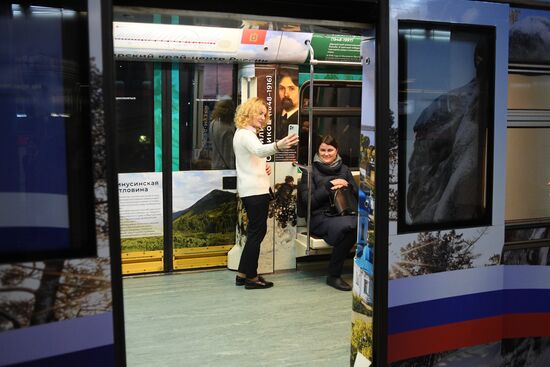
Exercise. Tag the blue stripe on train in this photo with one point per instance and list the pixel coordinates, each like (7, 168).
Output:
(101, 356)
(468, 307)
(33, 239)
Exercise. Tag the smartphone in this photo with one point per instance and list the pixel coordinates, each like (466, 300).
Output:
(293, 129)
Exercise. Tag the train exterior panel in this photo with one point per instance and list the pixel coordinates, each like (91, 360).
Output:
(452, 299)
(58, 307)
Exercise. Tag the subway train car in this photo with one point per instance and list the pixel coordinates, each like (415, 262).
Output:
(120, 172)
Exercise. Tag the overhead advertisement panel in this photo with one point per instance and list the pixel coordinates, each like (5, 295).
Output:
(183, 43)
(335, 47)
(176, 37)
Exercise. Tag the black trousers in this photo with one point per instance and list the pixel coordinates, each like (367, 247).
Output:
(256, 209)
(340, 252)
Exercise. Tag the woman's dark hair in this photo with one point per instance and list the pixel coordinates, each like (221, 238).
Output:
(328, 140)
(224, 110)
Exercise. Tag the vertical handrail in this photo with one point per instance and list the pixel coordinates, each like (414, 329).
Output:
(309, 141)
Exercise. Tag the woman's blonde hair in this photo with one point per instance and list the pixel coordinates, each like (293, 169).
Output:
(247, 109)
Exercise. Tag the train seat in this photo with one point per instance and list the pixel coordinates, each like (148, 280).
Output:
(317, 245)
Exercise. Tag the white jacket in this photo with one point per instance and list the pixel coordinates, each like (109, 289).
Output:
(250, 161)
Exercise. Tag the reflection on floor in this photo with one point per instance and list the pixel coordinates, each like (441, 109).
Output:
(202, 319)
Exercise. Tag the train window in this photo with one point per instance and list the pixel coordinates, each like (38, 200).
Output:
(198, 98)
(332, 94)
(46, 190)
(446, 83)
(528, 92)
(528, 146)
(206, 112)
(527, 175)
(336, 111)
(528, 99)
(136, 133)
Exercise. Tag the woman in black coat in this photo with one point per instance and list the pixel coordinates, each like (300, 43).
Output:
(329, 174)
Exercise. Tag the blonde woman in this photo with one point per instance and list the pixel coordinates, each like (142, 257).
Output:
(253, 183)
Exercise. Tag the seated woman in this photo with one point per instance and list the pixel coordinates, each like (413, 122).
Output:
(328, 174)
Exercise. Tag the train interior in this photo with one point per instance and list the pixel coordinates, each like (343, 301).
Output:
(156, 96)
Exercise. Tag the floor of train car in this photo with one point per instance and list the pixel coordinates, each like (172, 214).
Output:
(202, 319)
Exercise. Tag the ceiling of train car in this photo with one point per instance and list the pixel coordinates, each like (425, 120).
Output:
(342, 10)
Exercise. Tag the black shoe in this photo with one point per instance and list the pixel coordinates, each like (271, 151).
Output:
(261, 283)
(338, 283)
(239, 281)
(261, 279)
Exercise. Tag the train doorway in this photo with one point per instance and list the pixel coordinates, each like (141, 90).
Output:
(179, 208)
(178, 77)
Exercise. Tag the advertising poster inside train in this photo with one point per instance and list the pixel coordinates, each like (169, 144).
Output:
(203, 213)
(185, 43)
(140, 198)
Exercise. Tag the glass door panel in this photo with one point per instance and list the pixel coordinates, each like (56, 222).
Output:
(140, 178)
(204, 203)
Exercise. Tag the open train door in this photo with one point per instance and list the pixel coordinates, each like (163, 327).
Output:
(60, 283)
(450, 301)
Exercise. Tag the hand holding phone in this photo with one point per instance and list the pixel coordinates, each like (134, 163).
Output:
(293, 129)
(292, 138)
